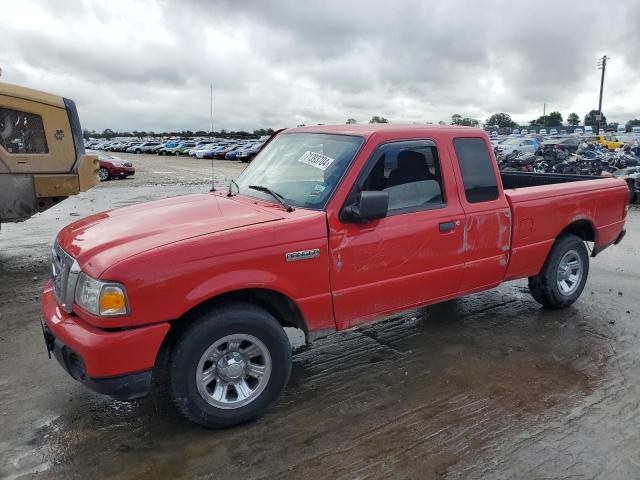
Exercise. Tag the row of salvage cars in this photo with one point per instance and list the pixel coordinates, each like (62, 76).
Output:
(224, 149)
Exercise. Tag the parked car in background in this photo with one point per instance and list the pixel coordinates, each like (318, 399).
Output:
(543, 131)
(515, 131)
(183, 148)
(113, 167)
(513, 145)
(553, 131)
(142, 147)
(221, 153)
(203, 146)
(155, 148)
(569, 144)
(232, 154)
(170, 145)
(170, 149)
(578, 131)
(210, 151)
(246, 154)
(132, 146)
(147, 147)
(609, 141)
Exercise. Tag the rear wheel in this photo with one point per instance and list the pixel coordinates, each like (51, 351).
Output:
(104, 174)
(229, 366)
(564, 274)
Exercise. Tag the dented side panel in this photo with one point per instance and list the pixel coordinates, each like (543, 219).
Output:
(487, 248)
(487, 231)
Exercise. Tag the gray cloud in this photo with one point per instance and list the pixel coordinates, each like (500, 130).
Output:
(148, 65)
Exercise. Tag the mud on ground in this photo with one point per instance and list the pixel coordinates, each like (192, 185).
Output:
(489, 386)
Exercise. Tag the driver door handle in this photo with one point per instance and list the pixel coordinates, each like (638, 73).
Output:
(447, 227)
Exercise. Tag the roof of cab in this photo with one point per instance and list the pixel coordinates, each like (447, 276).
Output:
(31, 94)
(368, 129)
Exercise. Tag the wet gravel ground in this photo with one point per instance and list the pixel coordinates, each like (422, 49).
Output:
(489, 386)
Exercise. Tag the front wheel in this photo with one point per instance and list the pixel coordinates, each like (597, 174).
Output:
(229, 366)
(564, 274)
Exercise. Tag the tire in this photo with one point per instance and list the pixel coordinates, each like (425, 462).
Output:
(205, 350)
(177, 153)
(563, 275)
(138, 150)
(104, 174)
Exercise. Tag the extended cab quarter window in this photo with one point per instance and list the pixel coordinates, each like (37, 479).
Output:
(22, 132)
(478, 175)
(410, 173)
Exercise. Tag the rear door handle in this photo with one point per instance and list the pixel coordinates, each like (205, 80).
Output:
(447, 227)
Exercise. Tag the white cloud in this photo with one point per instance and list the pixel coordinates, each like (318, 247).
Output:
(147, 65)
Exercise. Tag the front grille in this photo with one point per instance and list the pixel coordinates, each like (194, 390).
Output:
(64, 273)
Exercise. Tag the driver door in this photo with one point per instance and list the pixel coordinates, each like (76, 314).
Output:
(413, 256)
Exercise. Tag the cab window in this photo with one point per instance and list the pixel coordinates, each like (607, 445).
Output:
(410, 173)
(22, 132)
(478, 175)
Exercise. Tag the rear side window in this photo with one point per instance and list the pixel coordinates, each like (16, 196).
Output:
(478, 175)
(22, 132)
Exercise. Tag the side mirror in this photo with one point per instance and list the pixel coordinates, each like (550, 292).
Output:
(371, 205)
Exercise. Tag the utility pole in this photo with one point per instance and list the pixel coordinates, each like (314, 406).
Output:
(602, 65)
(211, 110)
(544, 114)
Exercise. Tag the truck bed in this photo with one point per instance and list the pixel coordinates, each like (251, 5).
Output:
(511, 180)
(543, 205)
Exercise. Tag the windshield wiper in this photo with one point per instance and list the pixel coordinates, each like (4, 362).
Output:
(275, 195)
(233, 182)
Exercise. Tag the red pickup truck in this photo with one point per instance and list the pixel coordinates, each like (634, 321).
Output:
(329, 227)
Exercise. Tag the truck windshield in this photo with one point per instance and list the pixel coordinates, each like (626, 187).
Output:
(303, 168)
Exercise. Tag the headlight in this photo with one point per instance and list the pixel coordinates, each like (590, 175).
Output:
(101, 298)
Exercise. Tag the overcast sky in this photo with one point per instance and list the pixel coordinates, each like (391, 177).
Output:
(148, 64)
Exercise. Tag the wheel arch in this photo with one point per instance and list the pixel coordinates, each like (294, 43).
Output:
(582, 228)
(283, 308)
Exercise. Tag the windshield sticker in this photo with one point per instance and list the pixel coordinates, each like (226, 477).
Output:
(316, 160)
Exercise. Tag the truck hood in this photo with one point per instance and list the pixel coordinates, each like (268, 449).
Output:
(101, 240)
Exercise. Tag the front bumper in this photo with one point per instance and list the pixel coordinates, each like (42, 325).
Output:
(117, 363)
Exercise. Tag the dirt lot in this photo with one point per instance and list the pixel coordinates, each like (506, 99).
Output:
(490, 386)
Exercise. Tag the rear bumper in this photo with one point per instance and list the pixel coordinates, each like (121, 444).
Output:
(117, 363)
(598, 249)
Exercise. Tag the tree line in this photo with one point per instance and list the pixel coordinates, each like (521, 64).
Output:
(503, 120)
